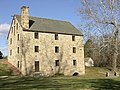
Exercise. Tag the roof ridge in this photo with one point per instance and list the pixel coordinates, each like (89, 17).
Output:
(45, 18)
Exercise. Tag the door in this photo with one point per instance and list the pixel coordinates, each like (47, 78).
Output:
(36, 66)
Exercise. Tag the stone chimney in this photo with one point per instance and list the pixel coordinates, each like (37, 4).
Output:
(25, 17)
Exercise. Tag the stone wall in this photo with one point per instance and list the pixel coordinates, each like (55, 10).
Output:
(13, 42)
(47, 56)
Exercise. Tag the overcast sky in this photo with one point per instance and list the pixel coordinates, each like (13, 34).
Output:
(53, 9)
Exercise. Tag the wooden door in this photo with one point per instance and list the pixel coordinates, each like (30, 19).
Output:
(36, 66)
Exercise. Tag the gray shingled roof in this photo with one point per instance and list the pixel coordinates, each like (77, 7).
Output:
(49, 25)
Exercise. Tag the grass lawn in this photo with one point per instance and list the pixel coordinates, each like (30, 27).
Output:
(4, 70)
(93, 80)
(58, 83)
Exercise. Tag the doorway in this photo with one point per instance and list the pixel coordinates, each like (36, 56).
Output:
(36, 66)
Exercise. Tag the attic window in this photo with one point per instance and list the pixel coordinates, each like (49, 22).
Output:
(36, 35)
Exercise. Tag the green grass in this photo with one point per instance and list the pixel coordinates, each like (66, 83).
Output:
(94, 79)
(58, 83)
(4, 70)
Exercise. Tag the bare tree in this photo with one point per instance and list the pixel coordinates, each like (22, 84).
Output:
(24, 48)
(49, 59)
(104, 17)
(48, 53)
(62, 61)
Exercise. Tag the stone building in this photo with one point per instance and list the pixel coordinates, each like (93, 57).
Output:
(44, 45)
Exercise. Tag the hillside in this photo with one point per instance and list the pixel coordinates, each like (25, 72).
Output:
(4, 70)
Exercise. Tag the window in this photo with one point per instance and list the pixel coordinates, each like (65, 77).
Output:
(14, 30)
(36, 66)
(14, 21)
(18, 49)
(18, 37)
(10, 52)
(74, 49)
(36, 48)
(56, 49)
(74, 62)
(56, 36)
(10, 40)
(18, 64)
(17, 26)
(36, 35)
(73, 38)
(56, 62)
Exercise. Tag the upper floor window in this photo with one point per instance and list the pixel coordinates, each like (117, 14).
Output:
(18, 64)
(18, 37)
(36, 35)
(56, 49)
(11, 29)
(10, 52)
(74, 62)
(36, 48)
(18, 49)
(73, 38)
(10, 40)
(14, 21)
(56, 36)
(17, 26)
(14, 30)
(74, 49)
(56, 62)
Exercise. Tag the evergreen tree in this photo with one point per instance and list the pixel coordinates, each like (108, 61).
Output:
(1, 55)
(88, 47)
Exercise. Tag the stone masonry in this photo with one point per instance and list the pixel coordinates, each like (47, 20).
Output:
(44, 54)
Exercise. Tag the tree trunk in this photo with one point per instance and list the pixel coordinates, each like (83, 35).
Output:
(116, 49)
(25, 66)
